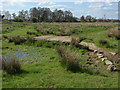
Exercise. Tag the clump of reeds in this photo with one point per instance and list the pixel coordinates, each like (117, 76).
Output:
(11, 64)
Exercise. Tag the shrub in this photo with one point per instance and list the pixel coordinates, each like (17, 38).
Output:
(103, 42)
(75, 63)
(17, 39)
(70, 60)
(75, 41)
(31, 33)
(34, 20)
(114, 32)
(30, 41)
(11, 64)
(4, 36)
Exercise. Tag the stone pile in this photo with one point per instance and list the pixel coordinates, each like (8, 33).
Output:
(111, 67)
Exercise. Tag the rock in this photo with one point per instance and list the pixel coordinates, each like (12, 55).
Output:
(100, 56)
(112, 53)
(103, 59)
(112, 68)
(95, 51)
(107, 62)
(101, 52)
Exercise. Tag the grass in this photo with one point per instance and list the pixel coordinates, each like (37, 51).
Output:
(46, 71)
(41, 63)
(114, 32)
(70, 60)
(11, 64)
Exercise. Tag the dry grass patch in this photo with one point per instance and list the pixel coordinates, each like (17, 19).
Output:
(114, 32)
(11, 64)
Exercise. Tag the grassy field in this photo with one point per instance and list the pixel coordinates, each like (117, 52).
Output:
(41, 63)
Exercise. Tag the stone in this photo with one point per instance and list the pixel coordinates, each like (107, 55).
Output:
(100, 52)
(112, 53)
(112, 68)
(100, 56)
(107, 62)
(103, 59)
(95, 51)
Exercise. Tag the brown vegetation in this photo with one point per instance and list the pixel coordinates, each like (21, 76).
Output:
(11, 64)
(114, 32)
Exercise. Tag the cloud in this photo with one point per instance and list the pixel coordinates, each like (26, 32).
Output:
(12, 2)
(45, 2)
(78, 2)
(62, 7)
(96, 5)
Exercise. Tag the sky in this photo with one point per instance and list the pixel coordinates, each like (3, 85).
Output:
(95, 8)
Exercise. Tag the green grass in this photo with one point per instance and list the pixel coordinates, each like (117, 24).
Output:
(41, 64)
(46, 71)
(0, 79)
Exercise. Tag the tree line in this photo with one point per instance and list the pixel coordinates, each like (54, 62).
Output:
(46, 15)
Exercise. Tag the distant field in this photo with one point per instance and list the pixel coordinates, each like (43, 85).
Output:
(41, 63)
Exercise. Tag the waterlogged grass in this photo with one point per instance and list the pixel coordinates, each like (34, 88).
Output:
(46, 71)
(0, 79)
(41, 63)
(21, 31)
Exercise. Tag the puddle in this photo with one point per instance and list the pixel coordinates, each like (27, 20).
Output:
(23, 55)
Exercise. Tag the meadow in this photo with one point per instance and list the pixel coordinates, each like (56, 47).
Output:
(41, 61)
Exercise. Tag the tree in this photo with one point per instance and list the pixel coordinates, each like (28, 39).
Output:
(68, 16)
(88, 18)
(93, 19)
(7, 15)
(14, 15)
(34, 20)
(82, 19)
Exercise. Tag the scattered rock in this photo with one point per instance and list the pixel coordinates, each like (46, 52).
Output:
(101, 52)
(112, 68)
(112, 53)
(95, 51)
(103, 59)
(108, 62)
(100, 55)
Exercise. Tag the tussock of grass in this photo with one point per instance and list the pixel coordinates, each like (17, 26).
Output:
(69, 59)
(114, 32)
(17, 39)
(103, 42)
(75, 41)
(72, 61)
(11, 64)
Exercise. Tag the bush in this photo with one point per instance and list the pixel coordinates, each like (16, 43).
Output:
(17, 39)
(31, 33)
(70, 60)
(75, 63)
(104, 42)
(75, 41)
(34, 20)
(114, 32)
(4, 36)
(11, 64)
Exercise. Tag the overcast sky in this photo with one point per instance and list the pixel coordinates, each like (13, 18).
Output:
(96, 8)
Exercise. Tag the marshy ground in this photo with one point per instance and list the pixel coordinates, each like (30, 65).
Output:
(41, 62)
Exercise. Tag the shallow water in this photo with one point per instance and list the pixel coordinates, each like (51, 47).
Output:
(23, 55)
